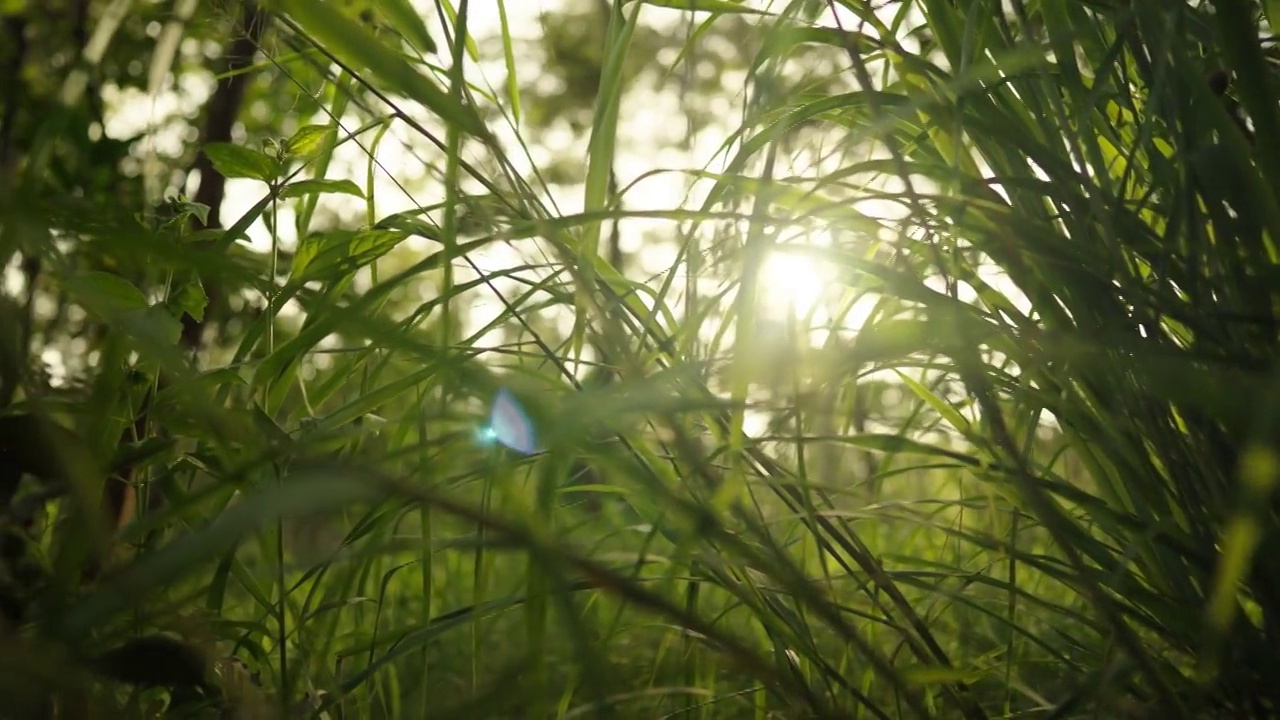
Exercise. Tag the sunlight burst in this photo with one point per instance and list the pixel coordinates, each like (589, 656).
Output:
(791, 284)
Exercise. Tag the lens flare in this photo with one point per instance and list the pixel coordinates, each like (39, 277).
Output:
(509, 426)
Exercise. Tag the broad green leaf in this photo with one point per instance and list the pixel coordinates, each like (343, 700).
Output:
(317, 186)
(102, 292)
(153, 326)
(328, 256)
(237, 161)
(122, 305)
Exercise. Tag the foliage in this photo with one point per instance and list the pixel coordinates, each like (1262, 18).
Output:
(1018, 460)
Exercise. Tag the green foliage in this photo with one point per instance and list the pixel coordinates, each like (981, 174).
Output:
(1019, 459)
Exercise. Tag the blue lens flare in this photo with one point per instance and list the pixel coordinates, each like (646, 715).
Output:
(509, 425)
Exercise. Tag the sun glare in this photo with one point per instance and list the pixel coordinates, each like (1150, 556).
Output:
(791, 285)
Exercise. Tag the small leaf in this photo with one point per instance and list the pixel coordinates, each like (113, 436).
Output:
(406, 222)
(236, 161)
(180, 209)
(192, 300)
(308, 141)
(316, 186)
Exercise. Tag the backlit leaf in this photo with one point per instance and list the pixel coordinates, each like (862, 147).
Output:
(237, 161)
(317, 186)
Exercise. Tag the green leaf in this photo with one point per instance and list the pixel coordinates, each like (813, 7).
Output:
(359, 49)
(316, 186)
(103, 293)
(236, 161)
(116, 301)
(153, 326)
(401, 16)
(308, 141)
(328, 256)
(406, 222)
(191, 299)
(179, 209)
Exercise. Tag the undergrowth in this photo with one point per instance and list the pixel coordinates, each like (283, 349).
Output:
(1017, 461)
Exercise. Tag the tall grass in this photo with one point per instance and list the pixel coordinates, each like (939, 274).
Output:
(1052, 232)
